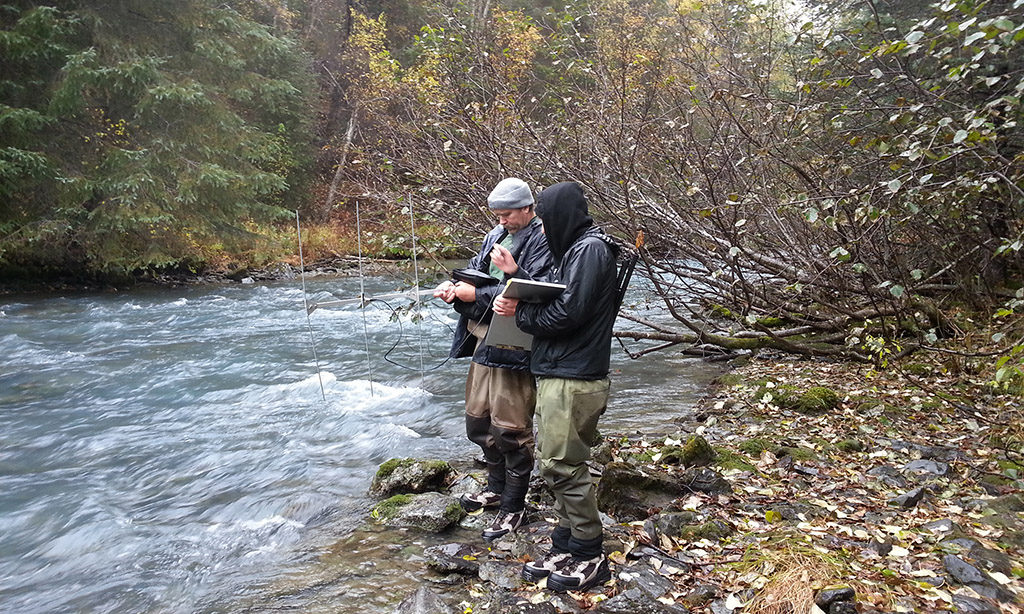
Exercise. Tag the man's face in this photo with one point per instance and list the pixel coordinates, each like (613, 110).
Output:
(514, 220)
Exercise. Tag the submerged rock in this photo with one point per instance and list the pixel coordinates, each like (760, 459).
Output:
(453, 558)
(423, 601)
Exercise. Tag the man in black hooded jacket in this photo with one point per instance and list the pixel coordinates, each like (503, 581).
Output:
(570, 357)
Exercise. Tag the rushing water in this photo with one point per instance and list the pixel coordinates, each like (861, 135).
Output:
(162, 450)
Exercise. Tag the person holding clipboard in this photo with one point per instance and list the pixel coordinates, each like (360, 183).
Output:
(570, 357)
(500, 391)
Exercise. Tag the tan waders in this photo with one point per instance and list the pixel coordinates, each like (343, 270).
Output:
(499, 419)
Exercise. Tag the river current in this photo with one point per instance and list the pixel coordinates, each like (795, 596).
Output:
(170, 450)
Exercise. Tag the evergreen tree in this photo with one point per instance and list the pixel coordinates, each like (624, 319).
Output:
(141, 135)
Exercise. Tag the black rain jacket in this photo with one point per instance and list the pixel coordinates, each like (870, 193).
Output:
(531, 253)
(572, 334)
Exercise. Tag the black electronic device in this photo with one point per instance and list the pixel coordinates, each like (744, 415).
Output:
(473, 277)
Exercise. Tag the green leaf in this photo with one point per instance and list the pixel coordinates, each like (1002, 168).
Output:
(896, 290)
(959, 136)
(894, 185)
(914, 36)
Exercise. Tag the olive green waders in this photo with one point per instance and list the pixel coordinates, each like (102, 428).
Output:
(567, 414)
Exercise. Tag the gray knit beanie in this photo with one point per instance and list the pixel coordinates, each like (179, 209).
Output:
(510, 193)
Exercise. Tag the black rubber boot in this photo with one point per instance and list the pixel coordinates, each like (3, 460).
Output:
(479, 432)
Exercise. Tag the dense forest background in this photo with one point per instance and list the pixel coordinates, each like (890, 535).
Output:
(842, 178)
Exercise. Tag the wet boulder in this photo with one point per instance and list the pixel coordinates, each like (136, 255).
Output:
(410, 475)
(430, 512)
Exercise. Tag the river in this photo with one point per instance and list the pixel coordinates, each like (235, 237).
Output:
(170, 450)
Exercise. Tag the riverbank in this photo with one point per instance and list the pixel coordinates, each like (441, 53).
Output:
(339, 267)
(896, 486)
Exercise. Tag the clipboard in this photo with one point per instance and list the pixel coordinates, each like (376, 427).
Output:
(503, 332)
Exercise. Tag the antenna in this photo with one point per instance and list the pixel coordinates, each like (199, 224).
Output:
(305, 304)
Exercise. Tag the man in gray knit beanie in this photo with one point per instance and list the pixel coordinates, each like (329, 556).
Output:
(510, 193)
(500, 391)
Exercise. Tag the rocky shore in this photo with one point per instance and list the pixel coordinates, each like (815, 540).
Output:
(795, 486)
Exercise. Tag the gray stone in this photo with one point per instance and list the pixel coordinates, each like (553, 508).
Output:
(423, 601)
(431, 512)
(961, 571)
(702, 479)
(466, 485)
(827, 596)
(634, 601)
(646, 579)
(909, 499)
(842, 607)
(965, 544)
(879, 547)
(453, 558)
(671, 523)
(992, 560)
(564, 604)
(970, 605)
(511, 604)
(942, 526)
(928, 467)
(629, 493)
(992, 590)
(501, 573)
(890, 476)
(701, 594)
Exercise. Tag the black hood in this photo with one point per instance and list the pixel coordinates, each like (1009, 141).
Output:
(563, 210)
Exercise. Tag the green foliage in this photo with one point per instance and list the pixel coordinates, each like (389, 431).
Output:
(144, 135)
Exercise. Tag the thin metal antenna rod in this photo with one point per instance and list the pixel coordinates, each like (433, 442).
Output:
(305, 304)
(362, 295)
(416, 278)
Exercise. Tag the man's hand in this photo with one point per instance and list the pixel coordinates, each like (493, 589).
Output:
(445, 292)
(505, 306)
(502, 258)
(465, 292)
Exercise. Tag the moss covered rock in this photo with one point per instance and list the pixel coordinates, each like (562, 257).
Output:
(409, 475)
(850, 445)
(430, 512)
(696, 452)
(713, 530)
(817, 400)
(388, 508)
